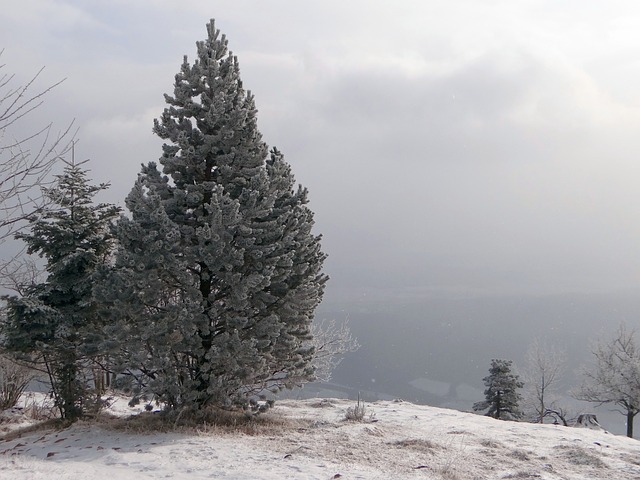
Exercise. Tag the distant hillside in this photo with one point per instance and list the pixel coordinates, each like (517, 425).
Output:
(413, 348)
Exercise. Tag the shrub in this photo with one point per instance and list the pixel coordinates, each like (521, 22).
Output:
(14, 378)
(357, 412)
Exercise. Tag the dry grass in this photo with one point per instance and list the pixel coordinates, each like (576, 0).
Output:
(324, 403)
(488, 443)
(359, 413)
(523, 474)
(356, 413)
(209, 421)
(416, 444)
(520, 455)
(44, 426)
(579, 456)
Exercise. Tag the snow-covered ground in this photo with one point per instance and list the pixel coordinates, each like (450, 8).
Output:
(310, 439)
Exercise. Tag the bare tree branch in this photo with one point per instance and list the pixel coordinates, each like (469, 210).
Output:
(544, 367)
(19, 273)
(615, 376)
(330, 341)
(26, 160)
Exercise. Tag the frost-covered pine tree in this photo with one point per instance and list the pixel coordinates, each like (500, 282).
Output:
(55, 324)
(501, 395)
(218, 273)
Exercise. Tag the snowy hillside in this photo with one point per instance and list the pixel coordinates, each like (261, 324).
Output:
(310, 439)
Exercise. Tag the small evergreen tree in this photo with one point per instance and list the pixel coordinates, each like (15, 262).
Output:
(501, 395)
(218, 273)
(54, 324)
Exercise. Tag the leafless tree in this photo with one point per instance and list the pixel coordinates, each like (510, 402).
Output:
(615, 376)
(26, 159)
(543, 372)
(331, 341)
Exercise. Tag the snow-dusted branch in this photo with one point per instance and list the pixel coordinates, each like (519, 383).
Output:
(543, 372)
(330, 341)
(614, 378)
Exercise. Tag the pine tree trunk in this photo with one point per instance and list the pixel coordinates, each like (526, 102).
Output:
(630, 417)
(207, 339)
(69, 389)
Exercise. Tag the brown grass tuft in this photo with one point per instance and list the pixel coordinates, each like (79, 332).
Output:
(208, 421)
(416, 444)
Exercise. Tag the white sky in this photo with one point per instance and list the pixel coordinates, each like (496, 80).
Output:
(475, 146)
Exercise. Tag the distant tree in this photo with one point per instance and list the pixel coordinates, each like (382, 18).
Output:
(26, 159)
(614, 378)
(54, 325)
(501, 395)
(217, 274)
(544, 366)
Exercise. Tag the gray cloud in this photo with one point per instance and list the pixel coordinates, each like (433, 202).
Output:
(487, 148)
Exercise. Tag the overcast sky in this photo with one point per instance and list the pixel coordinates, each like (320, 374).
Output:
(449, 146)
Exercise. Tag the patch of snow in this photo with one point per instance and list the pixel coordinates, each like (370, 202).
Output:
(310, 439)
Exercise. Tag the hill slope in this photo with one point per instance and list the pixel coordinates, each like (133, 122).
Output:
(310, 439)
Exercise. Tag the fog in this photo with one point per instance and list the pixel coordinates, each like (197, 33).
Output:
(472, 165)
